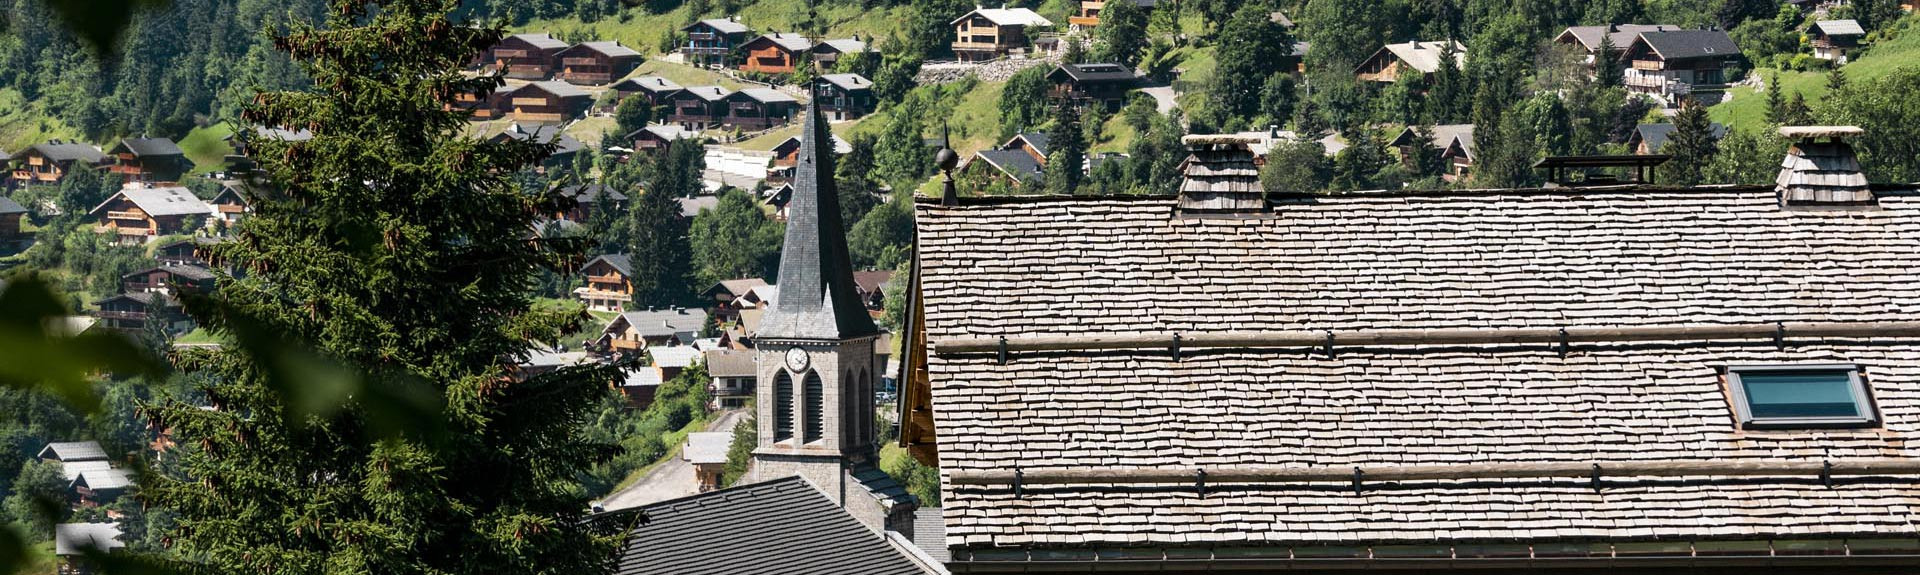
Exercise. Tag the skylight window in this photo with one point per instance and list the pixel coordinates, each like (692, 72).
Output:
(1800, 396)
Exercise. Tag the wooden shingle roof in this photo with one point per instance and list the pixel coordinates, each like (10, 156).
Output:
(1088, 268)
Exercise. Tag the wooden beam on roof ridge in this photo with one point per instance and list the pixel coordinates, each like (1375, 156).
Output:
(1452, 336)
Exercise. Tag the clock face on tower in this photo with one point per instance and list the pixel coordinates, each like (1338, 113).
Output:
(796, 359)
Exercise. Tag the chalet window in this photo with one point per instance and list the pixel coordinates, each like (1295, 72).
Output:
(782, 407)
(810, 393)
(1800, 396)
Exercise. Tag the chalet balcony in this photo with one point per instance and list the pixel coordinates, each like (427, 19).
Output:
(509, 53)
(1086, 21)
(129, 216)
(122, 315)
(690, 118)
(979, 47)
(705, 50)
(627, 345)
(754, 123)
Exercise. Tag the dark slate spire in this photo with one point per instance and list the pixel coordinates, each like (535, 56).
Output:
(817, 299)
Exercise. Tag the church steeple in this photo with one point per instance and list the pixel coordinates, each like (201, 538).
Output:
(817, 299)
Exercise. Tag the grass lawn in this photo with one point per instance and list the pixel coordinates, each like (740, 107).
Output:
(690, 76)
(590, 129)
(207, 147)
(1746, 110)
(641, 31)
(24, 124)
(198, 336)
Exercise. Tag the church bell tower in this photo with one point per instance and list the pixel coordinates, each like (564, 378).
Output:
(816, 368)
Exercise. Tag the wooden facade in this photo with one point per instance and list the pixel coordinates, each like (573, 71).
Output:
(989, 33)
(656, 90)
(1387, 64)
(1102, 84)
(1674, 64)
(544, 102)
(131, 312)
(596, 62)
(137, 215)
(845, 96)
(526, 56)
(656, 137)
(148, 160)
(711, 42)
(12, 214)
(699, 107)
(1834, 39)
(758, 109)
(609, 282)
(774, 53)
(49, 163)
(1088, 16)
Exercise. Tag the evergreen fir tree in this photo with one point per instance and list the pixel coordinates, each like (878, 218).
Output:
(1251, 49)
(1836, 81)
(1692, 146)
(1606, 64)
(656, 232)
(1069, 150)
(390, 253)
(1796, 112)
(1122, 33)
(1426, 158)
(1448, 100)
(1776, 105)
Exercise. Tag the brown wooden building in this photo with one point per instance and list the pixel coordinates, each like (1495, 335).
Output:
(149, 160)
(1390, 61)
(49, 163)
(609, 283)
(564, 146)
(710, 42)
(12, 214)
(759, 109)
(722, 295)
(1102, 84)
(828, 52)
(166, 279)
(658, 91)
(774, 53)
(132, 311)
(699, 107)
(526, 56)
(587, 198)
(1833, 39)
(139, 214)
(845, 96)
(636, 330)
(549, 102)
(989, 33)
(656, 137)
(596, 62)
(1676, 63)
(1454, 143)
(233, 202)
(1089, 14)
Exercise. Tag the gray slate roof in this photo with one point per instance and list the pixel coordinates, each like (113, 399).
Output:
(721, 25)
(590, 193)
(621, 262)
(848, 82)
(841, 45)
(59, 151)
(1622, 35)
(1848, 27)
(110, 479)
(544, 134)
(1685, 44)
(1655, 135)
(730, 363)
(647, 83)
(782, 526)
(73, 451)
(70, 538)
(149, 147)
(1634, 256)
(664, 322)
(766, 95)
(609, 48)
(161, 201)
(541, 40)
(791, 41)
(9, 207)
(1013, 163)
(1424, 56)
(930, 533)
(1095, 72)
(817, 299)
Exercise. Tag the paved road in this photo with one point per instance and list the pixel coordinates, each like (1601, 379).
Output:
(671, 479)
(1163, 97)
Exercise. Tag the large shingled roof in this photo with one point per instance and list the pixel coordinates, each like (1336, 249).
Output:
(733, 531)
(1082, 268)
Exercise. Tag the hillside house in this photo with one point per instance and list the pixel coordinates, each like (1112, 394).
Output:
(774, 53)
(1676, 63)
(609, 283)
(1588, 39)
(989, 33)
(238, 162)
(564, 146)
(1743, 400)
(148, 160)
(828, 52)
(12, 214)
(845, 96)
(706, 451)
(72, 542)
(1648, 139)
(710, 42)
(549, 102)
(596, 62)
(233, 202)
(655, 89)
(656, 137)
(587, 198)
(96, 487)
(638, 330)
(183, 251)
(167, 279)
(1089, 14)
(1017, 162)
(787, 153)
(132, 312)
(758, 109)
(1833, 39)
(72, 451)
(1101, 84)
(526, 56)
(1390, 61)
(721, 295)
(733, 373)
(1454, 142)
(870, 286)
(139, 213)
(50, 162)
(699, 107)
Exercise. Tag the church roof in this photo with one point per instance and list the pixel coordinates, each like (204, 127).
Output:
(785, 526)
(1080, 270)
(817, 299)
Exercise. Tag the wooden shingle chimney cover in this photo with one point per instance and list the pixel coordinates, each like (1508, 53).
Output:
(1817, 172)
(1222, 178)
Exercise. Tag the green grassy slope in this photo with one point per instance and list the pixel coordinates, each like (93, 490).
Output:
(1746, 109)
(642, 31)
(24, 124)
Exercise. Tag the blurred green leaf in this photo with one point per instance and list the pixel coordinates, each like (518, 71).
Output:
(39, 351)
(98, 23)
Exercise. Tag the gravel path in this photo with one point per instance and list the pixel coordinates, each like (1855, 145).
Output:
(669, 480)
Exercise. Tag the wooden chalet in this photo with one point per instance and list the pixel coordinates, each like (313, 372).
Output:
(656, 137)
(549, 102)
(50, 162)
(636, 330)
(137, 214)
(1589, 39)
(1420, 391)
(609, 283)
(845, 96)
(1095, 84)
(655, 89)
(1454, 143)
(12, 214)
(1390, 61)
(1017, 162)
(787, 153)
(733, 372)
(774, 53)
(1676, 63)
(1648, 139)
(596, 62)
(587, 198)
(564, 146)
(238, 162)
(758, 109)
(1089, 14)
(721, 296)
(72, 542)
(131, 312)
(1833, 39)
(233, 202)
(870, 285)
(710, 42)
(828, 52)
(148, 160)
(699, 107)
(990, 33)
(183, 251)
(526, 56)
(706, 452)
(167, 279)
